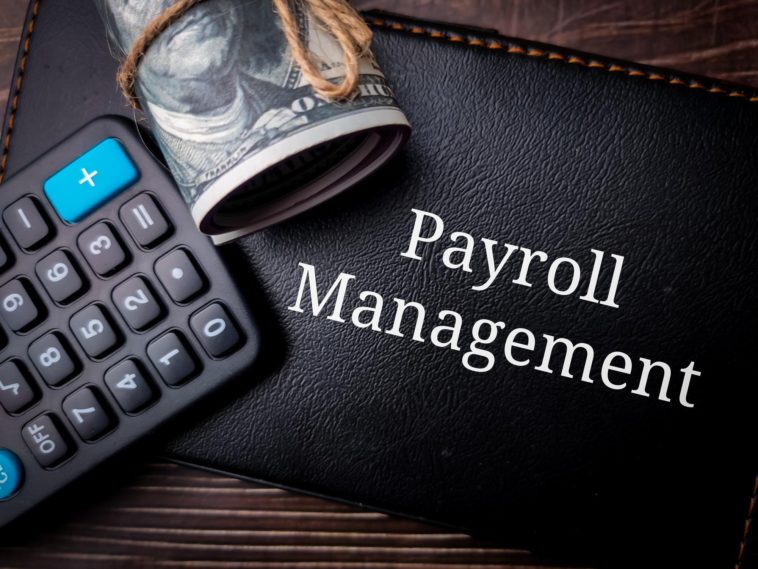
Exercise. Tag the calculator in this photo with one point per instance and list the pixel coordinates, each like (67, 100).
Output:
(116, 313)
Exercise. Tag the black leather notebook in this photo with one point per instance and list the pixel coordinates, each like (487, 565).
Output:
(537, 324)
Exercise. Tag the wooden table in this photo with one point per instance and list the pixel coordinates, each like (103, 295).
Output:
(166, 515)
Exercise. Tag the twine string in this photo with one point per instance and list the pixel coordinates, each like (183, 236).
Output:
(337, 17)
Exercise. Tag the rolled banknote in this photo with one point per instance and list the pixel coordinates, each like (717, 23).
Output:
(246, 138)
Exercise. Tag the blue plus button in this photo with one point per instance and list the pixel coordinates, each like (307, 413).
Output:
(91, 180)
(11, 474)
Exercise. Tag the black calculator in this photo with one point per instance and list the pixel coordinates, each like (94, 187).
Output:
(116, 313)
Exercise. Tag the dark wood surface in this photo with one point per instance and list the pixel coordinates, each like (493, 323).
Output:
(705, 37)
(12, 14)
(171, 516)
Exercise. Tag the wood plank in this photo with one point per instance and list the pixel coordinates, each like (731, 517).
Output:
(12, 13)
(172, 516)
(706, 37)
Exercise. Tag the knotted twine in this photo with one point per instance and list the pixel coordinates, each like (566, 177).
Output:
(336, 16)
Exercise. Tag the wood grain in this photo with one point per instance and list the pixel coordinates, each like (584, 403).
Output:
(172, 516)
(168, 516)
(12, 14)
(717, 38)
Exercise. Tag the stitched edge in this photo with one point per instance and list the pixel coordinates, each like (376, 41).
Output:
(748, 522)
(17, 91)
(514, 48)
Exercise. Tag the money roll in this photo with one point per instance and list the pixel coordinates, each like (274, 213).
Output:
(245, 136)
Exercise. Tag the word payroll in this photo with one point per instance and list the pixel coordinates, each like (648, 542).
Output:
(501, 259)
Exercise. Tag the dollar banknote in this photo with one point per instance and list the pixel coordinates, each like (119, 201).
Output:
(245, 136)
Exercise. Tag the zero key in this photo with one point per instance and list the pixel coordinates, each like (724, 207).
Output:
(216, 330)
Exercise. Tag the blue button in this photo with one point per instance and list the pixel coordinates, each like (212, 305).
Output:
(11, 474)
(91, 180)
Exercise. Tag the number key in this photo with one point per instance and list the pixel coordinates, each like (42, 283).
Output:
(61, 277)
(20, 305)
(103, 249)
(215, 329)
(173, 359)
(95, 331)
(53, 359)
(129, 385)
(137, 303)
(88, 414)
(27, 223)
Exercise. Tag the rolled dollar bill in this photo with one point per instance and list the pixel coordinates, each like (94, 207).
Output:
(246, 138)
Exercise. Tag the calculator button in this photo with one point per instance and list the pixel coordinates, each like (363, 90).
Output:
(128, 383)
(88, 414)
(91, 180)
(172, 358)
(45, 440)
(103, 249)
(216, 330)
(16, 392)
(19, 305)
(136, 301)
(5, 258)
(11, 473)
(145, 221)
(53, 359)
(95, 331)
(61, 276)
(27, 223)
(180, 275)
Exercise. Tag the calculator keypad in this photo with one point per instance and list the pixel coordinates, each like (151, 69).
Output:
(115, 312)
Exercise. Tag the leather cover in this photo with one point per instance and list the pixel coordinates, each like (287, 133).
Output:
(528, 145)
